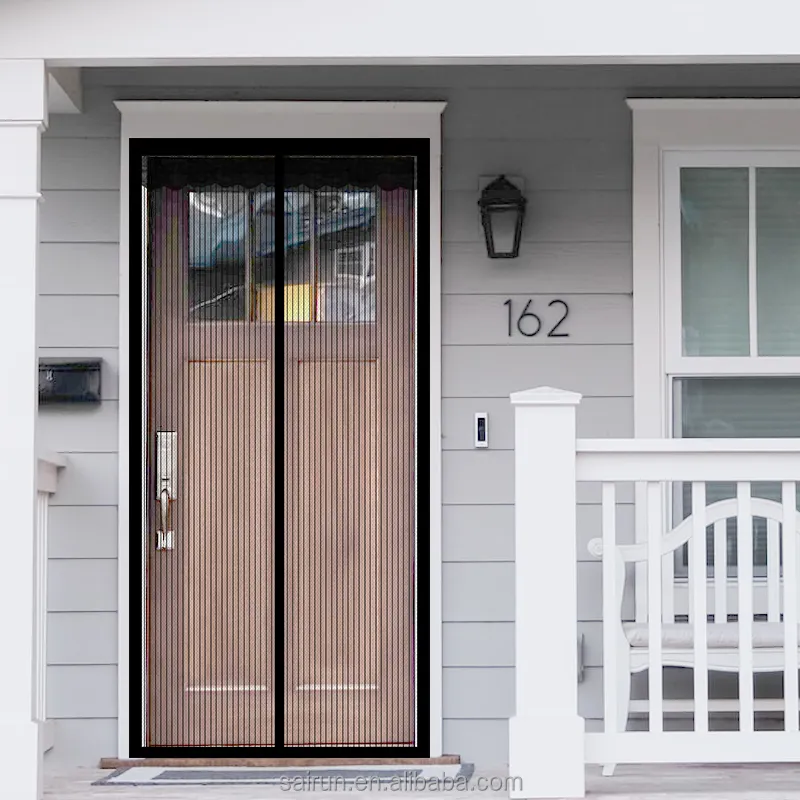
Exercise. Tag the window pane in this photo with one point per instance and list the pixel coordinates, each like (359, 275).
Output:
(714, 261)
(778, 250)
(747, 408)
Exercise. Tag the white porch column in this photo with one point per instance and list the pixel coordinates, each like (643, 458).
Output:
(546, 736)
(23, 115)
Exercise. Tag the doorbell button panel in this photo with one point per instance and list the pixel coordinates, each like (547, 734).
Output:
(481, 429)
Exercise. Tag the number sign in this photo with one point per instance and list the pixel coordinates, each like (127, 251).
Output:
(528, 323)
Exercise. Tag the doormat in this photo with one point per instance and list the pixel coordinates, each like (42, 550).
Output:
(321, 778)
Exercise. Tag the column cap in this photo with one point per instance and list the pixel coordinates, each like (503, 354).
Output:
(545, 396)
(23, 91)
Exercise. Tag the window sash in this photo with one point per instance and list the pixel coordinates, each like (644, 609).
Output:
(675, 363)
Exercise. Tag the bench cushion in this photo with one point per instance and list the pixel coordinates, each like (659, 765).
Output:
(680, 635)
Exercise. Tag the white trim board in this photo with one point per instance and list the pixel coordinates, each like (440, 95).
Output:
(85, 32)
(308, 120)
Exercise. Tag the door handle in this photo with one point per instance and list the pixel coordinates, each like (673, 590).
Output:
(165, 538)
(167, 469)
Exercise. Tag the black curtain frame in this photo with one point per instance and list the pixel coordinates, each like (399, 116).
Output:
(185, 163)
(251, 172)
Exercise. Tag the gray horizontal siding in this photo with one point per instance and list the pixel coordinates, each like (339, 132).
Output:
(486, 371)
(72, 429)
(83, 532)
(82, 584)
(78, 321)
(567, 132)
(85, 164)
(478, 533)
(546, 267)
(478, 692)
(553, 165)
(478, 644)
(86, 268)
(82, 691)
(82, 637)
(79, 216)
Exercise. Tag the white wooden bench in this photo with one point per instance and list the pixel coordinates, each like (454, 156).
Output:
(721, 649)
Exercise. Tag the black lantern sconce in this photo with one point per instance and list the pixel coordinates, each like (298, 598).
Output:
(502, 213)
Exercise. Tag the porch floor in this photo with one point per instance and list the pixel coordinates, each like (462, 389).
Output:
(665, 782)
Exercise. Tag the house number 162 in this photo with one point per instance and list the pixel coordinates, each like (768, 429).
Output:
(528, 323)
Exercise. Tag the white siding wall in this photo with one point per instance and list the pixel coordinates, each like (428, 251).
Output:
(567, 132)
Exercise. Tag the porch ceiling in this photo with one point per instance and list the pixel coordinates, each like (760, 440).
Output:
(163, 32)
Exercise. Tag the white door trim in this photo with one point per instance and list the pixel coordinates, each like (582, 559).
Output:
(245, 119)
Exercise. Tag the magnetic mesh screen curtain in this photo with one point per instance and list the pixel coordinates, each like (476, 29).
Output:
(281, 406)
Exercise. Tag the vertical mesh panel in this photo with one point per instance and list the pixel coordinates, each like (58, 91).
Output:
(349, 466)
(280, 602)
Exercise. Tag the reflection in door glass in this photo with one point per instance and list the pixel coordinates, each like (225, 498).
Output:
(329, 257)
(329, 249)
(218, 239)
(346, 256)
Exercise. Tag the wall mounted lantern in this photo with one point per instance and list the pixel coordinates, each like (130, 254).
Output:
(502, 212)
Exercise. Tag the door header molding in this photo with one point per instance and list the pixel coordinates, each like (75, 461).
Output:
(282, 120)
(278, 107)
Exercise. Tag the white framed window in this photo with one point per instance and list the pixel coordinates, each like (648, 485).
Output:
(716, 251)
(357, 261)
(731, 254)
(715, 185)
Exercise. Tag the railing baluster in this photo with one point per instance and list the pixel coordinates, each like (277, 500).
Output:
(655, 676)
(611, 608)
(697, 577)
(773, 571)
(790, 575)
(668, 585)
(744, 533)
(721, 571)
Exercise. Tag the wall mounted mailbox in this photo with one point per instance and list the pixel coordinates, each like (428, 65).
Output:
(69, 380)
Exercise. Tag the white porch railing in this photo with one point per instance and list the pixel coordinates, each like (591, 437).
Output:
(48, 468)
(739, 617)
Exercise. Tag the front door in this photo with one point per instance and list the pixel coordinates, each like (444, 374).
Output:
(280, 556)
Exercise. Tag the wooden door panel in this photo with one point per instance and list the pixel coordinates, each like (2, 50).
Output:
(228, 559)
(338, 560)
